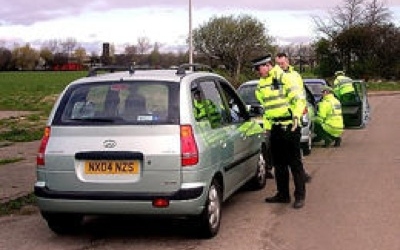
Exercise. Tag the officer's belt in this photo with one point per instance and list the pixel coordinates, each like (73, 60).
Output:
(281, 119)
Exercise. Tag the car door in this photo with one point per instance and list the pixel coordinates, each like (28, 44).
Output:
(217, 137)
(363, 109)
(356, 112)
(245, 144)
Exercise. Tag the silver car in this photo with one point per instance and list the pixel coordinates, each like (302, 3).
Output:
(247, 91)
(129, 142)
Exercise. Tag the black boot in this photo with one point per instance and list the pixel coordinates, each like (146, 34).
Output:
(298, 203)
(338, 141)
(327, 143)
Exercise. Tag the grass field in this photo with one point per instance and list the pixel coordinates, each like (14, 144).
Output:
(33, 91)
(37, 92)
(30, 91)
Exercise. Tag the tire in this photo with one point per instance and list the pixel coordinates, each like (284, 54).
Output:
(63, 224)
(210, 219)
(260, 178)
(306, 146)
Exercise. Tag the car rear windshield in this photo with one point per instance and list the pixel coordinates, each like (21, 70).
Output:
(135, 102)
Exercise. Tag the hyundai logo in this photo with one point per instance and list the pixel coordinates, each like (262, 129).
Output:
(109, 144)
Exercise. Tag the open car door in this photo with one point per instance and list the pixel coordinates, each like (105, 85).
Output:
(356, 113)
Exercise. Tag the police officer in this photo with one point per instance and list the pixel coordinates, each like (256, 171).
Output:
(343, 87)
(283, 106)
(283, 61)
(329, 120)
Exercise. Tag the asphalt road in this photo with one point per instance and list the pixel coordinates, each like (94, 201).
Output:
(352, 203)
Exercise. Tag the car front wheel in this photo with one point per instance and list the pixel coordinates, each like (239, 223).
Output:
(260, 178)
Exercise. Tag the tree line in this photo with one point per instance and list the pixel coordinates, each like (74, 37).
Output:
(357, 36)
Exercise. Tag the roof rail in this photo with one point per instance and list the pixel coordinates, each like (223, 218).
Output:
(110, 69)
(192, 66)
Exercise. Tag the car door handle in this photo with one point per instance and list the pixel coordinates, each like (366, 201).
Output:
(223, 143)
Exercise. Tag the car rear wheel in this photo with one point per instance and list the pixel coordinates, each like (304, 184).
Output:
(210, 219)
(62, 224)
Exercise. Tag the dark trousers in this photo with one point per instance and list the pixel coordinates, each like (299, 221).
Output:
(321, 134)
(285, 147)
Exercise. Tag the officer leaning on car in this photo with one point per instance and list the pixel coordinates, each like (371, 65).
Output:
(343, 87)
(328, 124)
(283, 106)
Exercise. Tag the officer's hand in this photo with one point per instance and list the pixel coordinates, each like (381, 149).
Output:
(295, 124)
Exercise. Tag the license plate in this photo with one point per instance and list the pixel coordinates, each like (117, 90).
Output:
(112, 167)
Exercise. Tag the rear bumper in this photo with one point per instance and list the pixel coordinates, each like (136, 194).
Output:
(181, 194)
(186, 201)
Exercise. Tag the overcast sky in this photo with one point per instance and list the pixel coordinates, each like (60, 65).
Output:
(120, 22)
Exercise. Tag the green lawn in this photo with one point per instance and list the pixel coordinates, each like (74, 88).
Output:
(30, 91)
(33, 91)
(383, 86)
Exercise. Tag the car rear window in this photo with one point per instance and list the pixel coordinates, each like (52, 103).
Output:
(136, 102)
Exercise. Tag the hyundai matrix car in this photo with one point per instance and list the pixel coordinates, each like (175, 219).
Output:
(247, 91)
(171, 143)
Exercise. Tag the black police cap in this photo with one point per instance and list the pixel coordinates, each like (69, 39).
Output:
(261, 60)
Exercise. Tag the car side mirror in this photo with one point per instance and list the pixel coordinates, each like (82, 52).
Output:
(255, 110)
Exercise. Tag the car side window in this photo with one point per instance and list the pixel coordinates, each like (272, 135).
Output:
(207, 103)
(236, 108)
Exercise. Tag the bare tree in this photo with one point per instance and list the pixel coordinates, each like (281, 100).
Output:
(69, 45)
(53, 45)
(340, 18)
(352, 13)
(131, 53)
(143, 45)
(376, 13)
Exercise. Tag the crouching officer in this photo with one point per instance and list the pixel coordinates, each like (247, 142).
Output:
(329, 120)
(283, 104)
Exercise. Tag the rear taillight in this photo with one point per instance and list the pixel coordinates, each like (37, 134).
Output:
(189, 152)
(42, 147)
(160, 202)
